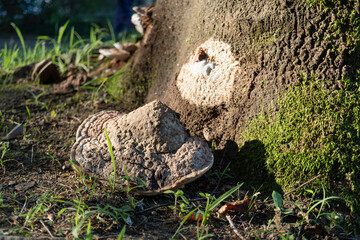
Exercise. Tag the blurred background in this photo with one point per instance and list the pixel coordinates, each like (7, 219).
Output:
(44, 17)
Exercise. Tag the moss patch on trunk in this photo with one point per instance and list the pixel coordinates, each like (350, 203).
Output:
(316, 131)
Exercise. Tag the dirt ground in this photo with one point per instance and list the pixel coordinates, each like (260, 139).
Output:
(39, 176)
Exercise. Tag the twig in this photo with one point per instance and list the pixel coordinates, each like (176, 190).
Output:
(302, 185)
(16, 131)
(232, 225)
(32, 153)
(75, 118)
(169, 203)
(269, 200)
(47, 229)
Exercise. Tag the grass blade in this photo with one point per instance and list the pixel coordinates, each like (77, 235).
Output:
(223, 197)
(61, 32)
(111, 29)
(277, 200)
(18, 32)
(182, 223)
(111, 151)
(121, 235)
(71, 40)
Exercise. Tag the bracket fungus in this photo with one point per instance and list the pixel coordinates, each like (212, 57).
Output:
(142, 18)
(149, 144)
(121, 55)
(207, 79)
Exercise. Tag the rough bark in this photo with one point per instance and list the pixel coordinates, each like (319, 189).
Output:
(220, 63)
(273, 42)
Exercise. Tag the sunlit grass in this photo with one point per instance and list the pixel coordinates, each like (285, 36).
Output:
(67, 47)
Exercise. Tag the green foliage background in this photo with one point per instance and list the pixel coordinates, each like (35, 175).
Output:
(46, 16)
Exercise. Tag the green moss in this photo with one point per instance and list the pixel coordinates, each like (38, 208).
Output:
(126, 86)
(315, 131)
(344, 22)
(316, 127)
(264, 38)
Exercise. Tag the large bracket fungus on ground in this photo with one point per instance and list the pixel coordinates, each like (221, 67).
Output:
(207, 79)
(150, 143)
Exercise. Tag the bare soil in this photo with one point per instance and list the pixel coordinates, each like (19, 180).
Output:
(40, 167)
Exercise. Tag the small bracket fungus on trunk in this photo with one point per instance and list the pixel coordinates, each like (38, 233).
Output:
(149, 142)
(207, 78)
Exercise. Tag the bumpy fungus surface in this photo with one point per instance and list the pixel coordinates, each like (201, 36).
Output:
(207, 79)
(149, 142)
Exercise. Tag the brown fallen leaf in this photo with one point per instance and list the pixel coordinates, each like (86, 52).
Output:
(24, 186)
(194, 218)
(237, 206)
(51, 217)
(129, 47)
(72, 83)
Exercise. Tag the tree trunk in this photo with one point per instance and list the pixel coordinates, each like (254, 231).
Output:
(218, 64)
(266, 45)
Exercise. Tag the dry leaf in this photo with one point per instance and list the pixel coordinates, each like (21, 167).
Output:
(50, 217)
(24, 186)
(237, 206)
(45, 72)
(115, 53)
(194, 218)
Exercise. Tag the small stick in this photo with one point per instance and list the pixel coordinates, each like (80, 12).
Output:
(32, 153)
(169, 203)
(269, 200)
(17, 130)
(47, 229)
(302, 185)
(234, 227)
(77, 119)
(12, 122)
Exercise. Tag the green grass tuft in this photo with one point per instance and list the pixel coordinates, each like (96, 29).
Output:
(64, 49)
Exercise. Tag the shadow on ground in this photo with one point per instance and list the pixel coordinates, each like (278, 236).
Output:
(247, 164)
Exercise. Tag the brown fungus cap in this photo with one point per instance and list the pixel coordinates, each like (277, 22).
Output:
(121, 55)
(150, 143)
